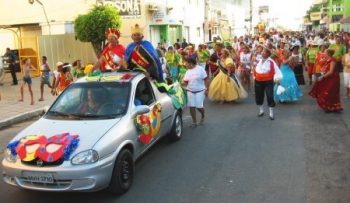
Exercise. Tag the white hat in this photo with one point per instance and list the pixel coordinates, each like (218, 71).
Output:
(59, 63)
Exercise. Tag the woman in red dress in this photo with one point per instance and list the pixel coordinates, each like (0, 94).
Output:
(327, 88)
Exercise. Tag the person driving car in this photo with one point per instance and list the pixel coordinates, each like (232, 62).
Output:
(91, 106)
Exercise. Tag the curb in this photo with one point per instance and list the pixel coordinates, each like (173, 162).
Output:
(21, 117)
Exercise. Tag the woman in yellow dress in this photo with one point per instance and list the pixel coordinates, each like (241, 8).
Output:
(224, 88)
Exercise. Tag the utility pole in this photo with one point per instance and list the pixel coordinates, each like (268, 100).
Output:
(250, 16)
(43, 7)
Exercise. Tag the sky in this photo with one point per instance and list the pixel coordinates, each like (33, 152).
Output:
(287, 11)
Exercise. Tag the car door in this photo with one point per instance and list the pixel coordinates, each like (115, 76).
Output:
(148, 125)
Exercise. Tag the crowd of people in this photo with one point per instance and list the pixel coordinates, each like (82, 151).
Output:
(273, 63)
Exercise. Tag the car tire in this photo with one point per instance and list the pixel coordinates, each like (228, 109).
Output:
(175, 133)
(123, 173)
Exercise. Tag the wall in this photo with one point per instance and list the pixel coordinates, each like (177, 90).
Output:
(65, 48)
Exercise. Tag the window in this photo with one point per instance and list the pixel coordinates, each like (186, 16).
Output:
(144, 94)
(92, 100)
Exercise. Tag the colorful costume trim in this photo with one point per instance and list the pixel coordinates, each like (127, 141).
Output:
(38, 146)
(148, 125)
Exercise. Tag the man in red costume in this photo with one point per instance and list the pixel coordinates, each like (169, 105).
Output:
(113, 53)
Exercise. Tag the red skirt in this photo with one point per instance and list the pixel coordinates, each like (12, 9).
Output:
(327, 93)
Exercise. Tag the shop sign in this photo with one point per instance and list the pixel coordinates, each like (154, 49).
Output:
(126, 8)
(315, 16)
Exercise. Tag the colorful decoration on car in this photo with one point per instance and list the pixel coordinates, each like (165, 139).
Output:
(50, 149)
(122, 77)
(178, 95)
(148, 125)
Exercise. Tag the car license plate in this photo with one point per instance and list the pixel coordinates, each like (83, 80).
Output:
(38, 177)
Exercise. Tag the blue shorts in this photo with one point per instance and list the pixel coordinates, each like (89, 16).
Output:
(27, 80)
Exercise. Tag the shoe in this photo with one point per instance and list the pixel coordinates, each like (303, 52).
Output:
(201, 122)
(193, 125)
(272, 118)
(14, 84)
(261, 114)
(41, 100)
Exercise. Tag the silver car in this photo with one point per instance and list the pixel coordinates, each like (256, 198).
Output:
(92, 134)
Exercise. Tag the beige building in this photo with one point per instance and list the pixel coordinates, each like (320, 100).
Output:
(46, 27)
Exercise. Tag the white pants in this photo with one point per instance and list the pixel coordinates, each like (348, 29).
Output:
(196, 99)
(346, 80)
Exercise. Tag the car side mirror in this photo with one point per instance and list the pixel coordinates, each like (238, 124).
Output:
(142, 109)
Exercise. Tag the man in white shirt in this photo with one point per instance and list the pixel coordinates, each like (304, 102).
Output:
(266, 73)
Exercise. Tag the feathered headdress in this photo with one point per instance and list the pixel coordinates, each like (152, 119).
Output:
(112, 32)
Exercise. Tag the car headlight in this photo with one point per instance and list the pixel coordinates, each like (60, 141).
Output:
(85, 157)
(10, 157)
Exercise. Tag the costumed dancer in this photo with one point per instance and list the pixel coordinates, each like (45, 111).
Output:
(311, 54)
(141, 56)
(266, 73)
(172, 60)
(327, 89)
(112, 55)
(320, 61)
(182, 66)
(213, 66)
(224, 88)
(298, 68)
(244, 68)
(63, 80)
(291, 91)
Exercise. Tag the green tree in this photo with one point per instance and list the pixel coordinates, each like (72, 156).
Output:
(92, 26)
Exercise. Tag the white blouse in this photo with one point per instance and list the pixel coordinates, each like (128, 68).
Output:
(264, 67)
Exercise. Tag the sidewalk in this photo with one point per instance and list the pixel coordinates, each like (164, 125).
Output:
(12, 111)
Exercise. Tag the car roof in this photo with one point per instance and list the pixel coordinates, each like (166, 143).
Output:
(111, 77)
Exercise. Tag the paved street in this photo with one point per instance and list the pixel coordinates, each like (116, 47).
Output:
(302, 156)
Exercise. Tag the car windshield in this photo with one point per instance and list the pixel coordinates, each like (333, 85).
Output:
(93, 100)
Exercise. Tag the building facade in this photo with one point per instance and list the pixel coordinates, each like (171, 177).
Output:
(328, 14)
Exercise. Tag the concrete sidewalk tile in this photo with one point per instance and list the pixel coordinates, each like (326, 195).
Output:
(12, 111)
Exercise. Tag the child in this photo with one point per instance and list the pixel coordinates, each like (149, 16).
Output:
(55, 76)
(27, 79)
(45, 77)
(64, 78)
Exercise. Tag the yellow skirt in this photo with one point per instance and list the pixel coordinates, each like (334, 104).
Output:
(224, 88)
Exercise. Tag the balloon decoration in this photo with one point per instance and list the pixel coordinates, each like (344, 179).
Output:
(148, 125)
(50, 149)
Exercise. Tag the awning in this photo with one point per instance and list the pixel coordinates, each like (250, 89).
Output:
(345, 20)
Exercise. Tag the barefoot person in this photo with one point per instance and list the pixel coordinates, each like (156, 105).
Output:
(27, 80)
(45, 77)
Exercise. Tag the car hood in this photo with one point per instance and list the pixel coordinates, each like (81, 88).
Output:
(89, 131)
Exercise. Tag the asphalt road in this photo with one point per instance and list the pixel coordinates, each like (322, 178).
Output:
(302, 156)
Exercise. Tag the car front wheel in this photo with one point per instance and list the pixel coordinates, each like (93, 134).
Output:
(123, 173)
(176, 129)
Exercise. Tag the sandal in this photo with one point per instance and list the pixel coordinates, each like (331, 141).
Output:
(201, 122)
